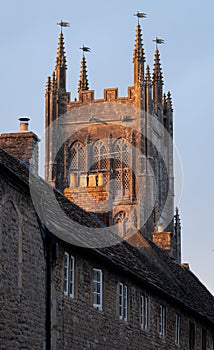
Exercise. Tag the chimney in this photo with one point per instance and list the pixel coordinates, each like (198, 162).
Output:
(22, 145)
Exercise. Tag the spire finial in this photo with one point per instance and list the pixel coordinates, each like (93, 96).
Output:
(83, 81)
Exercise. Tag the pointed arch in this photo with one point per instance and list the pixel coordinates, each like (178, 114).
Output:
(12, 244)
(120, 221)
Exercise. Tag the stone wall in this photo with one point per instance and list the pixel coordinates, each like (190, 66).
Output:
(78, 325)
(22, 270)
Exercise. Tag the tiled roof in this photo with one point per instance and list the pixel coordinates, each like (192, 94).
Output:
(149, 265)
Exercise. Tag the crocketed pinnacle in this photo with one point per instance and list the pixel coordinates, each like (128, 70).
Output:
(148, 76)
(138, 50)
(164, 103)
(61, 58)
(138, 57)
(53, 82)
(169, 102)
(83, 81)
(48, 85)
(177, 219)
(157, 71)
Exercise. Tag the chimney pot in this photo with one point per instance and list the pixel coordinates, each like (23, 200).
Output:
(23, 124)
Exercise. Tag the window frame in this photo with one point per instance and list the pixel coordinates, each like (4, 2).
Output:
(177, 328)
(123, 301)
(162, 320)
(98, 289)
(144, 311)
(69, 275)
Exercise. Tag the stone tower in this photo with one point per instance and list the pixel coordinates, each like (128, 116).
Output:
(114, 156)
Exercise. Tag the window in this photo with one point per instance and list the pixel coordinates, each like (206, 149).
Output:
(123, 302)
(120, 220)
(177, 328)
(77, 160)
(121, 164)
(204, 339)
(191, 335)
(100, 161)
(144, 311)
(97, 288)
(162, 320)
(69, 272)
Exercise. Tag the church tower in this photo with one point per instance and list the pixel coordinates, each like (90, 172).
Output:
(114, 156)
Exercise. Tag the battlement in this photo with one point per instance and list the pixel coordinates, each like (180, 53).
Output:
(109, 95)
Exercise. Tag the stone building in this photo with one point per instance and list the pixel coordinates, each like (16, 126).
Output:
(114, 156)
(70, 280)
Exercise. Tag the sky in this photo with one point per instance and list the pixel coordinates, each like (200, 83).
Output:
(29, 35)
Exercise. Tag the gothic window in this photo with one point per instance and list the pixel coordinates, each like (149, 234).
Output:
(78, 160)
(120, 221)
(99, 155)
(121, 168)
(99, 159)
(78, 157)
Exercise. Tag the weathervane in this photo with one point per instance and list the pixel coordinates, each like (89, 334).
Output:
(63, 24)
(85, 49)
(158, 41)
(140, 15)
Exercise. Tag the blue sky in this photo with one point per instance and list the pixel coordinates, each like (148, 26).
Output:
(29, 37)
